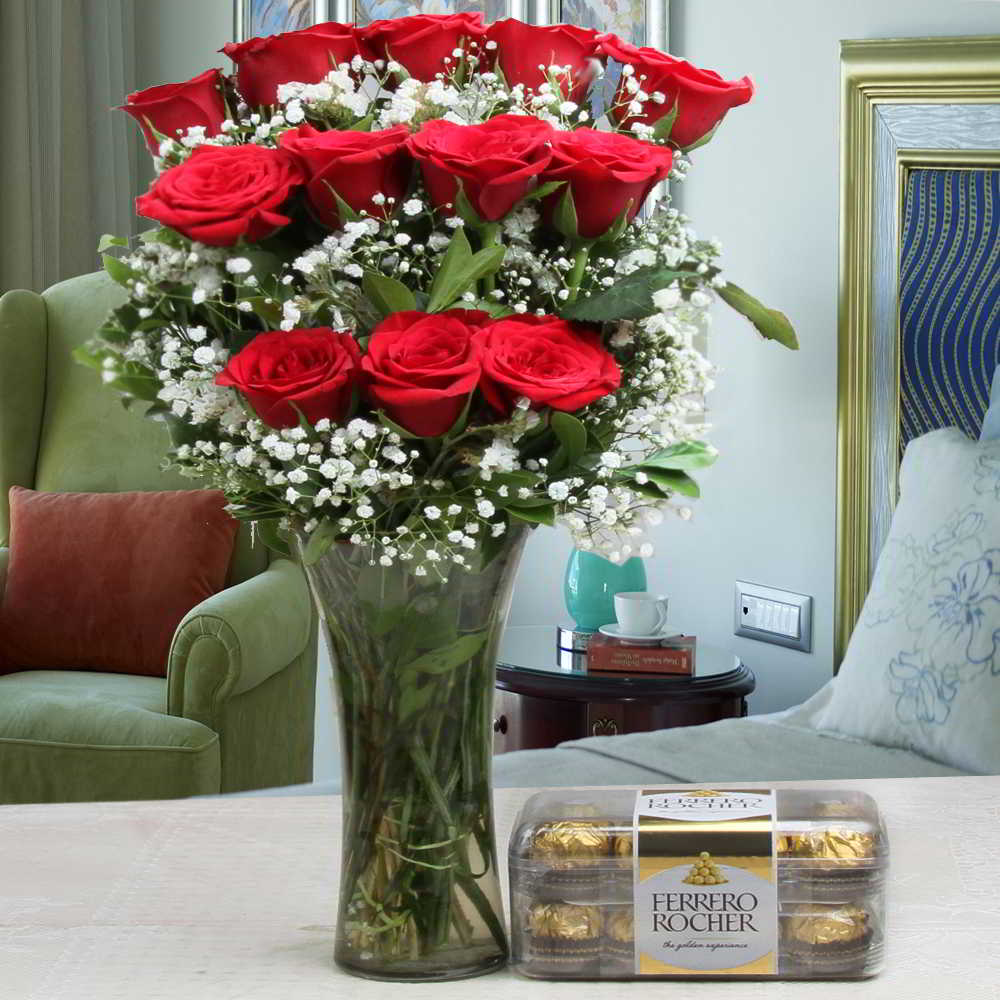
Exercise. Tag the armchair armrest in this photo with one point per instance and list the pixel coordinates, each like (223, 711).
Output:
(236, 639)
(4, 560)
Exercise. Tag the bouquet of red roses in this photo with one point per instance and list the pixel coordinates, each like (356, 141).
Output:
(407, 294)
(403, 279)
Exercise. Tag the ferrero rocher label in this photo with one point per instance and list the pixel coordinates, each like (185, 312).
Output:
(706, 899)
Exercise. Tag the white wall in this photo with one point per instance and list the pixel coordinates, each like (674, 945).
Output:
(767, 185)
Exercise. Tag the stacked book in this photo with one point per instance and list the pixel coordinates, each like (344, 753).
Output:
(670, 654)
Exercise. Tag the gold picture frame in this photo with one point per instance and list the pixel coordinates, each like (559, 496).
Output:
(905, 104)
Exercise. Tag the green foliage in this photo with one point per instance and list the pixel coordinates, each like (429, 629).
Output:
(630, 297)
(118, 272)
(107, 241)
(564, 218)
(321, 538)
(543, 513)
(684, 455)
(460, 269)
(673, 481)
(387, 294)
(270, 534)
(571, 433)
(445, 658)
(771, 324)
(665, 125)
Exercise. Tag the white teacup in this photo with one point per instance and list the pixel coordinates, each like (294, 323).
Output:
(641, 613)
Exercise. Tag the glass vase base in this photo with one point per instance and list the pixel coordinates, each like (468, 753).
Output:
(444, 966)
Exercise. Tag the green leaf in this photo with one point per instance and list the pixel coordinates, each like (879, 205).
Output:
(344, 211)
(685, 455)
(466, 210)
(770, 323)
(414, 700)
(630, 297)
(387, 421)
(673, 481)
(571, 433)
(460, 269)
(455, 258)
(320, 540)
(649, 490)
(440, 661)
(117, 271)
(495, 309)
(707, 137)
(108, 241)
(269, 312)
(387, 294)
(137, 380)
(663, 128)
(363, 124)
(542, 191)
(269, 533)
(564, 218)
(90, 355)
(542, 514)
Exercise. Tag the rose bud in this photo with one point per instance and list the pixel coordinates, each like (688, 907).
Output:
(173, 108)
(306, 56)
(608, 174)
(422, 367)
(498, 162)
(522, 48)
(356, 165)
(420, 44)
(281, 374)
(702, 97)
(551, 361)
(223, 194)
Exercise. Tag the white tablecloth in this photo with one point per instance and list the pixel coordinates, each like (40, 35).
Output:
(233, 899)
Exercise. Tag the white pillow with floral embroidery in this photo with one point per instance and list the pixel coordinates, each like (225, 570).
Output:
(922, 669)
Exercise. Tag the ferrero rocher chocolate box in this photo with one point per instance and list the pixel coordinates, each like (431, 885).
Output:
(670, 882)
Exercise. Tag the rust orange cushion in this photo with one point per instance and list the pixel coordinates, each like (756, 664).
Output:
(100, 581)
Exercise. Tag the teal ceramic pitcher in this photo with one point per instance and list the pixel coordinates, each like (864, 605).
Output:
(591, 584)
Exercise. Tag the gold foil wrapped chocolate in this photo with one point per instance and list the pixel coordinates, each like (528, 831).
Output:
(619, 925)
(835, 843)
(572, 838)
(621, 845)
(820, 926)
(564, 921)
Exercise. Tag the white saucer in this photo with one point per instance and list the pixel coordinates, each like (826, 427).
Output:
(614, 631)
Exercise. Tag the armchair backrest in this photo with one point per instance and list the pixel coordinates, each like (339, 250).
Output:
(60, 428)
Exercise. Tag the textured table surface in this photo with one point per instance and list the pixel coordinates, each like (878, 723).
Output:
(233, 899)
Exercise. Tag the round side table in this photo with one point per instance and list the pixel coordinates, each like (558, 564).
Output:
(539, 704)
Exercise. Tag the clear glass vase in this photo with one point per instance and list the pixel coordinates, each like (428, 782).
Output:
(414, 660)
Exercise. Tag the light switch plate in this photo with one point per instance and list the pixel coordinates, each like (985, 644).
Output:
(771, 615)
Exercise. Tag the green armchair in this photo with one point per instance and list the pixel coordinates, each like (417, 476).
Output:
(236, 709)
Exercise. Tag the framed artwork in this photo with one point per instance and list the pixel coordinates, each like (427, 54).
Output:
(641, 22)
(919, 272)
(271, 17)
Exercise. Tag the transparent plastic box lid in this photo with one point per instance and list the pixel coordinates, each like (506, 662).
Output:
(818, 829)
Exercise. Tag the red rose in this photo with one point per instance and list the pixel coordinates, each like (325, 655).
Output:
(498, 162)
(223, 194)
(702, 97)
(314, 369)
(357, 165)
(421, 43)
(422, 367)
(607, 173)
(175, 107)
(304, 56)
(522, 48)
(552, 361)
